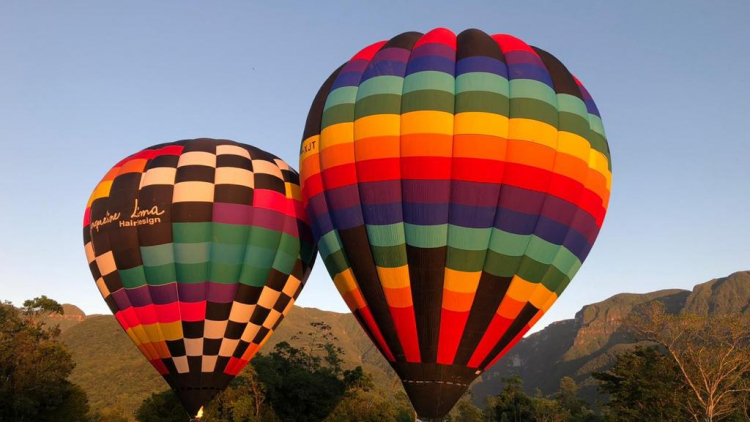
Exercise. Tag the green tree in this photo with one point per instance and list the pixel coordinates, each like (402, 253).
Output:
(465, 411)
(712, 354)
(162, 407)
(243, 400)
(512, 404)
(361, 402)
(644, 384)
(568, 400)
(305, 385)
(549, 410)
(40, 305)
(35, 366)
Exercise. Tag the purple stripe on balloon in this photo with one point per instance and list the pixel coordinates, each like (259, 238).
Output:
(433, 49)
(481, 64)
(317, 205)
(543, 227)
(221, 293)
(428, 191)
(431, 63)
(475, 193)
(164, 294)
(139, 296)
(517, 57)
(391, 54)
(585, 224)
(228, 213)
(381, 192)
(355, 66)
(343, 197)
(192, 292)
(521, 200)
(121, 299)
(550, 206)
(248, 215)
(384, 68)
(274, 220)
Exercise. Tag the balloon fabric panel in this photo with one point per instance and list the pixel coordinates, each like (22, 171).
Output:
(455, 185)
(199, 247)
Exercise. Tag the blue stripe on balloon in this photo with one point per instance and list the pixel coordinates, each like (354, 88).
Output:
(347, 79)
(529, 71)
(481, 64)
(431, 63)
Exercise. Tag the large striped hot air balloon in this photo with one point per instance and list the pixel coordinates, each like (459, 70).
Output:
(200, 248)
(455, 184)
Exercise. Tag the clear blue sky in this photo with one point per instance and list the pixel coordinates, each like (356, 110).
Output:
(85, 83)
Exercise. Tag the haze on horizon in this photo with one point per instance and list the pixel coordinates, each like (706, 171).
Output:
(84, 83)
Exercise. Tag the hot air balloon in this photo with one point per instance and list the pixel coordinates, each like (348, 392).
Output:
(199, 247)
(454, 185)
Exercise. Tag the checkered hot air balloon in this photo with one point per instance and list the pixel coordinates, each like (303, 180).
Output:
(454, 184)
(199, 247)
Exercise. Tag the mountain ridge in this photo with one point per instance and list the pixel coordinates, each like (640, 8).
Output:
(115, 375)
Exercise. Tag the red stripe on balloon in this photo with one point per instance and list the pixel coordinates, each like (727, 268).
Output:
(510, 345)
(477, 170)
(378, 170)
(452, 325)
(336, 177)
(426, 168)
(495, 331)
(438, 36)
(169, 312)
(193, 311)
(368, 52)
(378, 336)
(406, 329)
(159, 366)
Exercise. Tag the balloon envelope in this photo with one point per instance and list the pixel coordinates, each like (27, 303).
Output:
(454, 184)
(199, 247)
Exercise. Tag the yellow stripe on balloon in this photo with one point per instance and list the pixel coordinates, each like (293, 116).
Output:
(427, 121)
(377, 125)
(599, 162)
(340, 133)
(520, 289)
(394, 278)
(479, 123)
(533, 131)
(540, 296)
(461, 281)
(172, 330)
